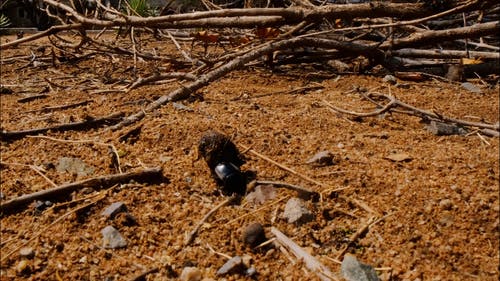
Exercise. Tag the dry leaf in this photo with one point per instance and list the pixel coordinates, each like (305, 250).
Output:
(465, 61)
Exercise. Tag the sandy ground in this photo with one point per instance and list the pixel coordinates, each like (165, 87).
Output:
(438, 207)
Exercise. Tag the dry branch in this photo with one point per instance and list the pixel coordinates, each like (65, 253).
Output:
(394, 103)
(89, 123)
(147, 176)
(438, 36)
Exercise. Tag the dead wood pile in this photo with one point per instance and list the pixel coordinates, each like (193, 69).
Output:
(448, 39)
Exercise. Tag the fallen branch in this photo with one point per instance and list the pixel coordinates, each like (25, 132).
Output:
(147, 175)
(89, 123)
(411, 110)
(158, 77)
(311, 262)
(52, 30)
(60, 107)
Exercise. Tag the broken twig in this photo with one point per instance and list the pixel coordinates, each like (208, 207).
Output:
(311, 262)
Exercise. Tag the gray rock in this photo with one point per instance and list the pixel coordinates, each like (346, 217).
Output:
(233, 265)
(472, 88)
(261, 194)
(253, 235)
(27, 252)
(74, 166)
(338, 65)
(112, 239)
(112, 210)
(322, 158)
(297, 212)
(390, 79)
(252, 271)
(353, 270)
(445, 129)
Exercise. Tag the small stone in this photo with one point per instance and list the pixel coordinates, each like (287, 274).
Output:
(74, 166)
(113, 209)
(233, 265)
(253, 235)
(2, 196)
(190, 274)
(390, 79)
(297, 212)
(353, 270)
(472, 88)
(322, 158)
(27, 252)
(112, 239)
(40, 206)
(261, 194)
(338, 65)
(252, 271)
(446, 204)
(23, 268)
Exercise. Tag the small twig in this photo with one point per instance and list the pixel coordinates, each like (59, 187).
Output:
(184, 54)
(387, 107)
(32, 167)
(361, 204)
(147, 175)
(311, 262)
(299, 189)
(158, 77)
(283, 166)
(211, 249)
(258, 210)
(33, 97)
(483, 139)
(287, 92)
(355, 236)
(143, 275)
(190, 237)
